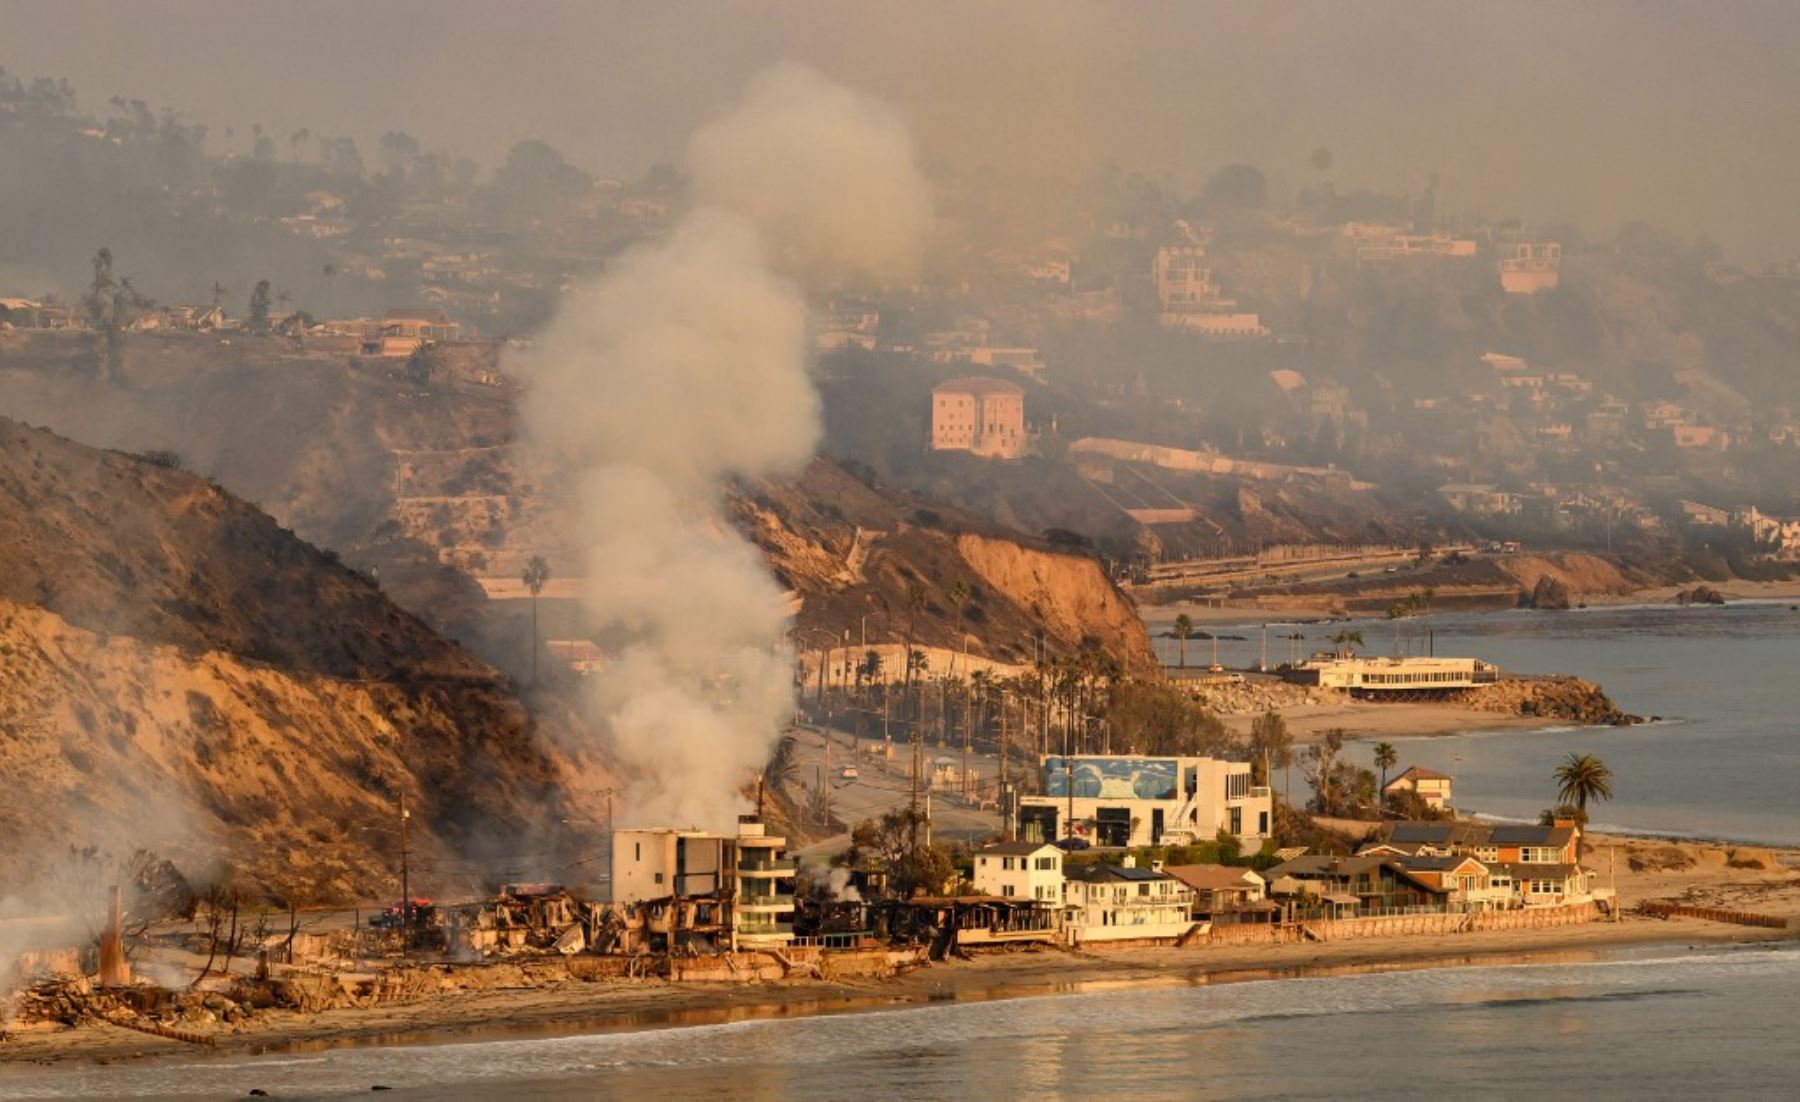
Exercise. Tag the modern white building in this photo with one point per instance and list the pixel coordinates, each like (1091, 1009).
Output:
(1020, 870)
(748, 874)
(1120, 800)
(1372, 675)
(1121, 902)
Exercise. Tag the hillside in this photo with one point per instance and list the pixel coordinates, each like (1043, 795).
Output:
(855, 551)
(428, 485)
(183, 672)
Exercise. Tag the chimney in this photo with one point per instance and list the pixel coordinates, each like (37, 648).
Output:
(1128, 862)
(115, 971)
(1156, 866)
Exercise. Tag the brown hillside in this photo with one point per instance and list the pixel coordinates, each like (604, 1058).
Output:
(853, 551)
(180, 668)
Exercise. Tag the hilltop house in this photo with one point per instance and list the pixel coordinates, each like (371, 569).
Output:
(403, 331)
(1433, 787)
(979, 415)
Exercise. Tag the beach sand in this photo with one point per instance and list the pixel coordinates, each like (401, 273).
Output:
(1361, 719)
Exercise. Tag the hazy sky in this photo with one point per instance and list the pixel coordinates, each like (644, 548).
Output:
(1680, 113)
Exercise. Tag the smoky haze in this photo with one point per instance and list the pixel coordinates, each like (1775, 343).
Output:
(1601, 112)
(688, 364)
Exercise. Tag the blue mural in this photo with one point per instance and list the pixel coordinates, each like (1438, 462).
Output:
(1113, 778)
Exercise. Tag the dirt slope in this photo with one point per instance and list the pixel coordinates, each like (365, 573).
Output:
(179, 669)
(857, 553)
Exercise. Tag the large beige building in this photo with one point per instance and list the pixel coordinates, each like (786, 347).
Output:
(1527, 267)
(980, 415)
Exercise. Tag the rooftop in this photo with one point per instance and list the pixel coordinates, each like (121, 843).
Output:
(977, 385)
(1013, 849)
(1209, 877)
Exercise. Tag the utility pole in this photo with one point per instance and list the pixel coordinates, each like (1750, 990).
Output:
(1262, 664)
(1000, 793)
(406, 907)
(1068, 785)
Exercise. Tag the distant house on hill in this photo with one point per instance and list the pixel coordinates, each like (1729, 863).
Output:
(1433, 787)
(404, 330)
(980, 415)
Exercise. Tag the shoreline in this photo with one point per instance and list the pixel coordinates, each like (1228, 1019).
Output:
(577, 1008)
(1253, 611)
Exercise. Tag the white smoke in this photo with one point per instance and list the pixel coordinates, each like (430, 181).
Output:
(837, 882)
(688, 364)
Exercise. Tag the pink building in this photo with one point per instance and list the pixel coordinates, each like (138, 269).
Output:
(980, 415)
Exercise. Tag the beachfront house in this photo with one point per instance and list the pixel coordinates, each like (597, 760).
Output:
(1346, 887)
(1122, 902)
(1544, 861)
(1222, 889)
(1470, 884)
(1538, 864)
(1427, 838)
(1020, 870)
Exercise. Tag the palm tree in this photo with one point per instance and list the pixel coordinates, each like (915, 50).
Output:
(1184, 627)
(1583, 777)
(1386, 757)
(783, 765)
(959, 596)
(1346, 642)
(535, 574)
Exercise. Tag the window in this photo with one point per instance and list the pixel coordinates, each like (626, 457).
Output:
(637, 851)
(1262, 822)
(1237, 820)
(659, 877)
(1237, 786)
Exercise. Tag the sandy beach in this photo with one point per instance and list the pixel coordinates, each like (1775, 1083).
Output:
(1360, 719)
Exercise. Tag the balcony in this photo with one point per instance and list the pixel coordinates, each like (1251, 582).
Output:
(772, 867)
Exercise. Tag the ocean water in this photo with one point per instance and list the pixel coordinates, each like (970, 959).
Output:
(1724, 761)
(1660, 1022)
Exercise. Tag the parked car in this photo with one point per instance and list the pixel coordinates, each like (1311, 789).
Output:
(848, 773)
(423, 914)
(1072, 845)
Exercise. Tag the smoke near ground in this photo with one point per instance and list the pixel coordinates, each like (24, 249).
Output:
(688, 364)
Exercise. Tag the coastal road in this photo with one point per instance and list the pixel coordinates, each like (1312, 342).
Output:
(883, 783)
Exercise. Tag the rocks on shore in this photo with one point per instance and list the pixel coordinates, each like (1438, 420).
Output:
(1700, 595)
(1564, 698)
(1549, 595)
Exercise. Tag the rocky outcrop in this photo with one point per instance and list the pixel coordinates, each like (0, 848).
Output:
(1549, 595)
(1700, 595)
(1562, 698)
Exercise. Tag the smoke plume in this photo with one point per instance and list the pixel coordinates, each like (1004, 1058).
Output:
(687, 364)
